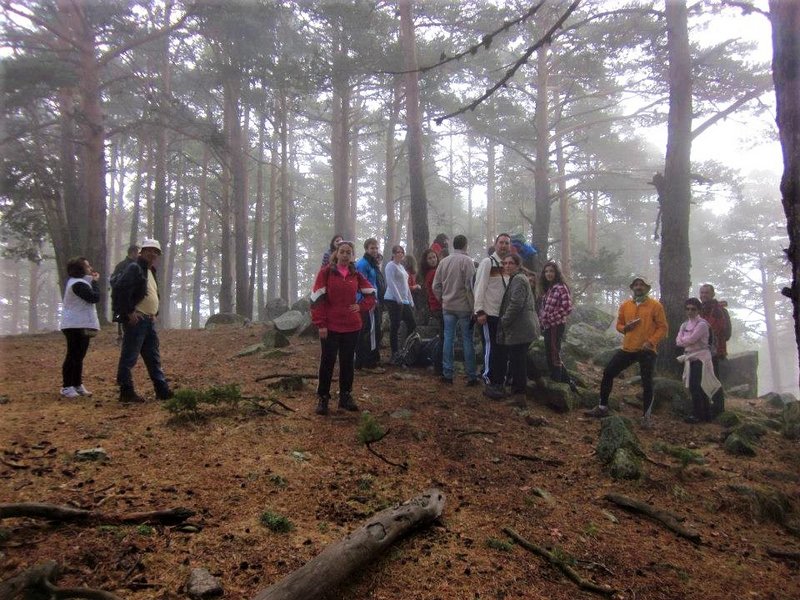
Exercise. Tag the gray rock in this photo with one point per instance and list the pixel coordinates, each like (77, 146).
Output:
(97, 453)
(556, 396)
(591, 315)
(274, 339)
(740, 391)
(603, 358)
(250, 350)
(289, 321)
(738, 446)
(275, 308)
(202, 584)
(219, 319)
(750, 431)
(4, 399)
(773, 399)
(583, 342)
(672, 393)
(616, 433)
(791, 421)
(303, 305)
(625, 465)
(307, 328)
(740, 369)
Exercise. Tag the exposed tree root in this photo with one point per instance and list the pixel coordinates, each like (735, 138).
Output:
(667, 519)
(554, 462)
(783, 553)
(582, 583)
(279, 375)
(337, 563)
(37, 582)
(68, 514)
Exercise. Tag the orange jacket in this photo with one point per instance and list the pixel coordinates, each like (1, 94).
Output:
(652, 327)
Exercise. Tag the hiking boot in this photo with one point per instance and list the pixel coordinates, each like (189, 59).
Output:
(165, 395)
(69, 392)
(598, 412)
(129, 396)
(346, 402)
(81, 389)
(646, 422)
(691, 420)
(322, 404)
(495, 392)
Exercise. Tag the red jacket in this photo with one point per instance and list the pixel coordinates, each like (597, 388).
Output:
(433, 301)
(332, 296)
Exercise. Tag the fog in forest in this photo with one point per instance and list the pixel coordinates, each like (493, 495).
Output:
(244, 135)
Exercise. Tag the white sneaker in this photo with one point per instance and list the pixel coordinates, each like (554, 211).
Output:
(82, 391)
(69, 392)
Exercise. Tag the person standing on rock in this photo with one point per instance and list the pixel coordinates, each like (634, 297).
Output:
(643, 323)
(490, 285)
(79, 323)
(554, 308)
(452, 286)
(368, 350)
(716, 315)
(135, 304)
(336, 311)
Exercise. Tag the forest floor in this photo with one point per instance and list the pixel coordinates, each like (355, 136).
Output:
(234, 465)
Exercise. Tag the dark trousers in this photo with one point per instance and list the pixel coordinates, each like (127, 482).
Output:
(700, 407)
(137, 339)
(621, 361)
(72, 369)
(398, 313)
(343, 344)
(368, 350)
(438, 317)
(512, 357)
(718, 400)
(553, 336)
(491, 360)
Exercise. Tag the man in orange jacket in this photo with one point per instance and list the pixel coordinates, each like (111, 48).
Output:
(644, 324)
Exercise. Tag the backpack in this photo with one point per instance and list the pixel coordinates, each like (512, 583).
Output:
(408, 355)
(430, 352)
(118, 291)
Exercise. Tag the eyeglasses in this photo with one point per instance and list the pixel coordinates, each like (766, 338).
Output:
(691, 309)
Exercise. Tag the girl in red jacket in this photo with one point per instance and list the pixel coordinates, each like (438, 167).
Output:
(335, 311)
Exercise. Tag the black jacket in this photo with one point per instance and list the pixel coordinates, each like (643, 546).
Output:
(130, 289)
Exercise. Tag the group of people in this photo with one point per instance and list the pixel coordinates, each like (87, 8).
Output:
(135, 306)
(512, 307)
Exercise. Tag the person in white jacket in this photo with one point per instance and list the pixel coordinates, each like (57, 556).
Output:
(490, 285)
(698, 371)
(79, 322)
(397, 299)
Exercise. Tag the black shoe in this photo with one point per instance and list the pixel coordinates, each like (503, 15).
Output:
(322, 404)
(165, 395)
(495, 392)
(129, 397)
(447, 380)
(691, 420)
(346, 402)
(472, 382)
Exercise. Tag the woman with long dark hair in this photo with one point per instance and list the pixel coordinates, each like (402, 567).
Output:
(336, 311)
(326, 257)
(555, 305)
(427, 269)
(398, 299)
(79, 323)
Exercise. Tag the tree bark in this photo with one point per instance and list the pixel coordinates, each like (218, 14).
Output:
(339, 561)
(392, 234)
(284, 195)
(199, 240)
(563, 202)
(675, 256)
(541, 178)
(340, 140)
(256, 290)
(785, 18)
(272, 221)
(491, 218)
(420, 234)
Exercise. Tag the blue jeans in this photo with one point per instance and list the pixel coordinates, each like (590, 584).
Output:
(141, 338)
(465, 326)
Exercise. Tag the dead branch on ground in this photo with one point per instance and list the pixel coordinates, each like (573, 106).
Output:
(68, 514)
(279, 375)
(554, 462)
(38, 582)
(338, 562)
(783, 553)
(582, 583)
(668, 520)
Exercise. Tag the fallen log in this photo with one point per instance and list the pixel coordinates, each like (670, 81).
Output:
(336, 563)
(37, 582)
(582, 583)
(783, 553)
(68, 514)
(668, 520)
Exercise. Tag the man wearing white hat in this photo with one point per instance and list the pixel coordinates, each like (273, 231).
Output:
(135, 305)
(644, 324)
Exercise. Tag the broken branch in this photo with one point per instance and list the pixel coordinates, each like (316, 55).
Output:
(667, 519)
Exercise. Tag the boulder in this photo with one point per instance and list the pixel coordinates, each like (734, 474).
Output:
(729, 419)
(275, 308)
(289, 322)
(778, 400)
(791, 421)
(274, 339)
(672, 393)
(537, 358)
(307, 329)
(616, 433)
(590, 315)
(219, 319)
(556, 396)
(602, 359)
(750, 431)
(584, 342)
(202, 584)
(625, 465)
(303, 305)
(740, 369)
(738, 446)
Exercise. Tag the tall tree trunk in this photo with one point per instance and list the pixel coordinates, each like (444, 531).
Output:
(199, 240)
(256, 274)
(340, 141)
(470, 184)
(541, 177)
(34, 269)
(785, 17)
(563, 203)
(160, 192)
(226, 271)
(491, 218)
(137, 194)
(354, 157)
(272, 222)
(284, 196)
(418, 206)
(675, 258)
(392, 233)
(167, 300)
(768, 301)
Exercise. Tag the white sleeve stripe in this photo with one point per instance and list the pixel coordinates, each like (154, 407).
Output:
(317, 294)
(366, 291)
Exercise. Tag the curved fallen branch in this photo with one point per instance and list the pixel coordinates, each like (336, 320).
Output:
(783, 553)
(68, 514)
(667, 519)
(336, 563)
(582, 583)
(279, 375)
(38, 582)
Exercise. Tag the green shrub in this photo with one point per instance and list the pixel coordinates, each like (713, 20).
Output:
(684, 455)
(500, 545)
(369, 430)
(275, 522)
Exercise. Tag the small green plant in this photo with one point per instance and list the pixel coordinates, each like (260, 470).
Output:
(278, 481)
(563, 557)
(369, 430)
(184, 403)
(275, 522)
(684, 455)
(145, 530)
(323, 527)
(680, 493)
(591, 530)
(187, 402)
(501, 545)
(365, 483)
